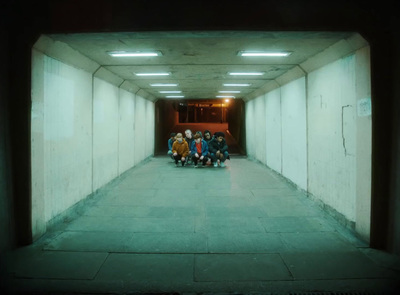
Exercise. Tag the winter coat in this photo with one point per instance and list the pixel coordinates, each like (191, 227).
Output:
(181, 148)
(204, 147)
(170, 142)
(214, 145)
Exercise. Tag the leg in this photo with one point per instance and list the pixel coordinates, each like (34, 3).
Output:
(177, 158)
(205, 159)
(225, 156)
(170, 155)
(194, 160)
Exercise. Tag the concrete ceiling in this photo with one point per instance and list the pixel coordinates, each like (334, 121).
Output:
(200, 61)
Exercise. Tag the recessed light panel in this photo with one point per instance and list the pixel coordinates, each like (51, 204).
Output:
(163, 84)
(246, 73)
(134, 53)
(152, 74)
(264, 53)
(237, 84)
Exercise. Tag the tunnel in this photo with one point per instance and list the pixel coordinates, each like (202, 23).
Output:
(309, 122)
(94, 204)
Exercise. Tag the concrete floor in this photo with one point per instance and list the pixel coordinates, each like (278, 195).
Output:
(161, 228)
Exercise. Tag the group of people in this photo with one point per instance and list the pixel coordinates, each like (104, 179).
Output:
(210, 150)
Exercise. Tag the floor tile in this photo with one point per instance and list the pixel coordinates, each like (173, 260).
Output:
(147, 268)
(230, 224)
(234, 242)
(295, 224)
(120, 224)
(240, 267)
(59, 265)
(101, 241)
(168, 243)
(315, 242)
(336, 265)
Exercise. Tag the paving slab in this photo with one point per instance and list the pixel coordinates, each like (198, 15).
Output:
(58, 265)
(234, 211)
(168, 243)
(275, 192)
(240, 267)
(235, 242)
(229, 224)
(81, 241)
(147, 268)
(315, 242)
(122, 224)
(289, 224)
(336, 265)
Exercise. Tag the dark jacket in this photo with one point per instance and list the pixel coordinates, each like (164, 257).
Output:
(189, 141)
(214, 145)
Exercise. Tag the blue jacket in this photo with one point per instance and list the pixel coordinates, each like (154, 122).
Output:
(170, 142)
(204, 147)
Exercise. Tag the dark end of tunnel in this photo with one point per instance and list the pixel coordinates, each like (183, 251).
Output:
(213, 115)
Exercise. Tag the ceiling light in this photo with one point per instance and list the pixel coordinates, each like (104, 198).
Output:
(172, 91)
(175, 96)
(163, 84)
(263, 53)
(229, 91)
(152, 74)
(246, 73)
(226, 100)
(225, 96)
(134, 53)
(237, 85)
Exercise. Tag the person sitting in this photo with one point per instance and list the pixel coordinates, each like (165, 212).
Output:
(189, 139)
(180, 149)
(218, 149)
(170, 142)
(199, 150)
(207, 136)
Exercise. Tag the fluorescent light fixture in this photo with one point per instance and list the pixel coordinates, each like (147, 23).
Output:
(152, 74)
(229, 91)
(134, 53)
(237, 85)
(175, 96)
(163, 84)
(264, 53)
(225, 96)
(246, 73)
(170, 91)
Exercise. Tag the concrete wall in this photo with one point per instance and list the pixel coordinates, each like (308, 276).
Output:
(84, 132)
(294, 132)
(332, 136)
(318, 135)
(273, 130)
(6, 208)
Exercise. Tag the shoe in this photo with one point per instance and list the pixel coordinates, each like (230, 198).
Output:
(215, 164)
(195, 166)
(222, 164)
